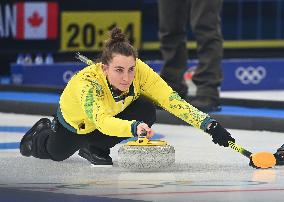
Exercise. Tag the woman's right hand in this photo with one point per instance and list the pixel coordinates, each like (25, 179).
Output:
(142, 127)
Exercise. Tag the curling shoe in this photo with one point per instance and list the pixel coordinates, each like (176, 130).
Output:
(279, 155)
(97, 160)
(27, 140)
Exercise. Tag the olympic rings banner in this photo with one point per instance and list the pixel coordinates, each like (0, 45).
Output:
(253, 74)
(239, 74)
(242, 74)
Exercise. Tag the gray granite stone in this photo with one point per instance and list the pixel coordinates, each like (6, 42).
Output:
(146, 157)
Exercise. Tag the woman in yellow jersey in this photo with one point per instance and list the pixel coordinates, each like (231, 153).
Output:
(108, 102)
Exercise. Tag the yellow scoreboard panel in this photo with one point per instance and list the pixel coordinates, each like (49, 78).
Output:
(86, 31)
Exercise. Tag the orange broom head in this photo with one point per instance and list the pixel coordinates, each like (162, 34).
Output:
(263, 160)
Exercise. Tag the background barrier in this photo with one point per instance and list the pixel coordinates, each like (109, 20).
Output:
(251, 28)
(239, 74)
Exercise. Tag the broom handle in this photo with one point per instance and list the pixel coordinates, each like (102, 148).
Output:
(83, 59)
(240, 149)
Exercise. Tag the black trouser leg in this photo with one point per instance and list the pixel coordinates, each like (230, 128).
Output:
(57, 145)
(63, 143)
(206, 26)
(39, 144)
(173, 21)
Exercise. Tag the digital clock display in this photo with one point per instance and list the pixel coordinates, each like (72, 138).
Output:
(86, 31)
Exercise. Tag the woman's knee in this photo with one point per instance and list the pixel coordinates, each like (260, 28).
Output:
(146, 110)
(58, 151)
(150, 116)
(141, 109)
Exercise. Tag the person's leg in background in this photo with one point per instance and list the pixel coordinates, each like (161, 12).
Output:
(206, 26)
(173, 22)
(99, 144)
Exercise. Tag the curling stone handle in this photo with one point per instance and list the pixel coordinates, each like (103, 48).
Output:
(142, 136)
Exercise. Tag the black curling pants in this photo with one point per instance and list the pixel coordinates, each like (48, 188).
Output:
(63, 143)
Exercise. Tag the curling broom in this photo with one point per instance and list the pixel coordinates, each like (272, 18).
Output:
(83, 59)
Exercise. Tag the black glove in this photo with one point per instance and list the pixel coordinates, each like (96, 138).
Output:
(219, 134)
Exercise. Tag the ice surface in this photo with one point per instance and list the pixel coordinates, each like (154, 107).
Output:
(203, 171)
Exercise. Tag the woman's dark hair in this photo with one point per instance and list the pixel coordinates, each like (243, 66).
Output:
(117, 44)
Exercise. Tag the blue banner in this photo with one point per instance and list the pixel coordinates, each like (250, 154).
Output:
(253, 74)
(239, 74)
(56, 75)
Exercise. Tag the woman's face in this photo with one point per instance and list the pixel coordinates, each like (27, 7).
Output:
(120, 71)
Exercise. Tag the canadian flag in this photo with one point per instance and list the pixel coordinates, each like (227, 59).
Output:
(37, 20)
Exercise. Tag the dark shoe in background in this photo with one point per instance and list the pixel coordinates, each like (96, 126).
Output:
(279, 155)
(96, 159)
(27, 140)
(206, 104)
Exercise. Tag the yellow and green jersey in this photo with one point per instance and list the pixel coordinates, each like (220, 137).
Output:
(87, 102)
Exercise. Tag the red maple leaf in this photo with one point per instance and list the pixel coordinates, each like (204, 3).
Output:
(35, 20)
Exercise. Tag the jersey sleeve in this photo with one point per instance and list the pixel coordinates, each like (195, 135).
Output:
(154, 87)
(94, 104)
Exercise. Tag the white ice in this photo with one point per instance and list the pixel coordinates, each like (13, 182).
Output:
(203, 171)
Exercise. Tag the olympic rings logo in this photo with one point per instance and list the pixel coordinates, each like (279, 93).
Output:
(67, 75)
(250, 75)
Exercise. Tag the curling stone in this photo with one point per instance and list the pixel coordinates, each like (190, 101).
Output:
(145, 154)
